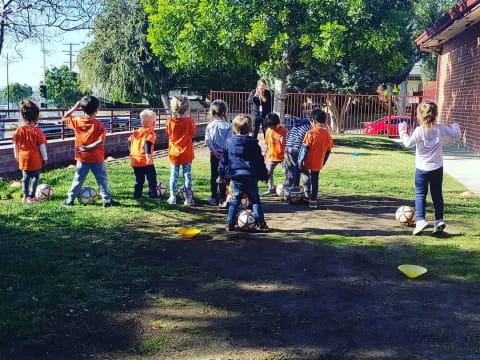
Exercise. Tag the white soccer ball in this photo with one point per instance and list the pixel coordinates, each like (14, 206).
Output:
(161, 189)
(44, 192)
(246, 220)
(405, 215)
(280, 190)
(87, 196)
(182, 194)
(293, 194)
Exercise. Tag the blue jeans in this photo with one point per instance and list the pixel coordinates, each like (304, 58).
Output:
(250, 187)
(99, 170)
(422, 180)
(34, 177)
(187, 178)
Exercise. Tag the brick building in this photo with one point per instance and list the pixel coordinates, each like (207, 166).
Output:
(456, 40)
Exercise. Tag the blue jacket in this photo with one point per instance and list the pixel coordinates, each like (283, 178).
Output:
(242, 158)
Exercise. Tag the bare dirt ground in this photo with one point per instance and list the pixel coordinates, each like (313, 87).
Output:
(322, 284)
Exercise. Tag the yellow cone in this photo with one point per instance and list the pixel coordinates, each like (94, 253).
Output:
(467, 194)
(412, 271)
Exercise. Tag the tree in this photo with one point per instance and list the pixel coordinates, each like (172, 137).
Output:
(63, 86)
(17, 92)
(26, 19)
(278, 36)
(121, 63)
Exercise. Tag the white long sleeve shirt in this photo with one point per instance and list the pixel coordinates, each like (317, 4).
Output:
(428, 142)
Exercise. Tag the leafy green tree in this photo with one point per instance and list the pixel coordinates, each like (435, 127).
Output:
(63, 86)
(17, 92)
(121, 64)
(279, 36)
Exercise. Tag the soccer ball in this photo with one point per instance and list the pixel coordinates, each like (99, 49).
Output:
(246, 220)
(279, 190)
(181, 192)
(44, 192)
(87, 196)
(293, 194)
(161, 189)
(405, 215)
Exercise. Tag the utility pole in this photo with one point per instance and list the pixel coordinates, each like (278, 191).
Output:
(70, 53)
(8, 92)
(43, 101)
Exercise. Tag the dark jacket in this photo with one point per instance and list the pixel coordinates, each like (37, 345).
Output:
(254, 102)
(242, 158)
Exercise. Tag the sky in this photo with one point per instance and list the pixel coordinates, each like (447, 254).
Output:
(29, 68)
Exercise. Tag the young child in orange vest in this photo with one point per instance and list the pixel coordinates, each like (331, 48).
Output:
(29, 149)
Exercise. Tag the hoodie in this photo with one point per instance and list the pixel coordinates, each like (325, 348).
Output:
(242, 159)
(296, 135)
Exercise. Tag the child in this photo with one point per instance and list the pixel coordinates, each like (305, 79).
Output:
(142, 142)
(180, 130)
(275, 139)
(315, 152)
(89, 151)
(294, 142)
(243, 163)
(29, 149)
(429, 162)
(216, 135)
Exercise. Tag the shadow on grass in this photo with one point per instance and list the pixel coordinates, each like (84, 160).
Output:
(370, 143)
(97, 291)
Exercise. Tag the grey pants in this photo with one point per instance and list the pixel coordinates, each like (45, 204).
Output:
(293, 173)
(271, 168)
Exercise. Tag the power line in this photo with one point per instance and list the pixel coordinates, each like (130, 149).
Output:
(71, 53)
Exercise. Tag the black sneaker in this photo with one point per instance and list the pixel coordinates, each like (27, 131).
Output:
(262, 227)
(110, 203)
(67, 203)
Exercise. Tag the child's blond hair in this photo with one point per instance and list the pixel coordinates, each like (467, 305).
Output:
(242, 124)
(179, 105)
(147, 114)
(427, 113)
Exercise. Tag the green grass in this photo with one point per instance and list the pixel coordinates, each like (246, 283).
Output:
(60, 266)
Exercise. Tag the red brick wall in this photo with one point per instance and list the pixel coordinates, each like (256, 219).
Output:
(61, 152)
(458, 80)
(429, 91)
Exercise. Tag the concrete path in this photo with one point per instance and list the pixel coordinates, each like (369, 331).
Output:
(461, 164)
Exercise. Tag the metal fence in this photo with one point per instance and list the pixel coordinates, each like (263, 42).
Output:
(115, 120)
(348, 113)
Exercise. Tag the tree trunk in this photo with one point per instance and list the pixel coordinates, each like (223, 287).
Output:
(165, 101)
(337, 115)
(279, 95)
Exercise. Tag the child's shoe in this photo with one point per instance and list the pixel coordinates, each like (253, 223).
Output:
(189, 200)
(229, 227)
(223, 204)
(172, 200)
(268, 192)
(32, 199)
(212, 201)
(24, 199)
(420, 226)
(262, 227)
(67, 203)
(438, 227)
(312, 204)
(110, 203)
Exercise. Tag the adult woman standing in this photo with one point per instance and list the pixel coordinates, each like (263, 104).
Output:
(260, 101)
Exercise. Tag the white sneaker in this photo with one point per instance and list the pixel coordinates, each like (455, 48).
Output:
(420, 226)
(189, 200)
(438, 227)
(172, 200)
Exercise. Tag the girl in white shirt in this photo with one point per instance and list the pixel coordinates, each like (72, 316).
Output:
(428, 161)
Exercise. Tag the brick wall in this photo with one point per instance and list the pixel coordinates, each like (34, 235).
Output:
(429, 91)
(458, 80)
(61, 152)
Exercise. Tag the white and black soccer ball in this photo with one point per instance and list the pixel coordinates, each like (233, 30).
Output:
(181, 193)
(161, 189)
(293, 194)
(44, 192)
(87, 196)
(246, 220)
(280, 190)
(405, 215)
